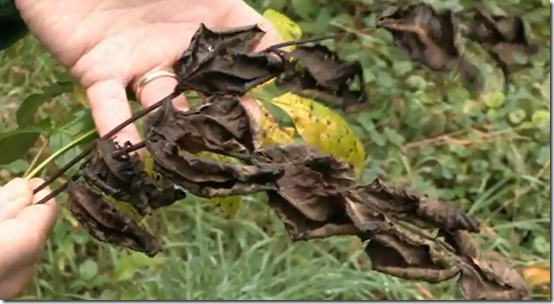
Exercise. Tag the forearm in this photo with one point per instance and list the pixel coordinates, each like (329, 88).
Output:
(12, 27)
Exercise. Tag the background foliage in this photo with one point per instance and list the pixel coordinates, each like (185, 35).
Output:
(488, 153)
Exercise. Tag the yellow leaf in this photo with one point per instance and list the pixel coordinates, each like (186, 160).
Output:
(272, 133)
(80, 95)
(323, 128)
(287, 31)
(286, 28)
(537, 277)
(229, 204)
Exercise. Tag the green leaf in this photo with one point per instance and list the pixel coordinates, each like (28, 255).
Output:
(517, 116)
(494, 99)
(541, 117)
(76, 124)
(15, 144)
(26, 112)
(88, 269)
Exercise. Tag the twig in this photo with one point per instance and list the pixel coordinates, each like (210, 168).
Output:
(86, 152)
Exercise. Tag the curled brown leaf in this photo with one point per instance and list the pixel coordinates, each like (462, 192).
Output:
(208, 177)
(105, 223)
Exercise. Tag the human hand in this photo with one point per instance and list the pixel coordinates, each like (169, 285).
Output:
(24, 228)
(108, 44)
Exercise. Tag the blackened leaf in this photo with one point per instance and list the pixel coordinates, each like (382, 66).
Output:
(462, 242)
(400, 203)
(312, 183)
(502, 37)
(396, 254)
(125, 179)
(105, 223)
(221, 126)
(206, 43)
(300, 227)
(207, 177)
(232, 73)
(428, 37)
(319, 73)
(491, 280)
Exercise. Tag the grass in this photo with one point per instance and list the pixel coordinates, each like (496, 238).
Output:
(210, 257)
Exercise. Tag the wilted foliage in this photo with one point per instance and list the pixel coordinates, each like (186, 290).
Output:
(315, 193)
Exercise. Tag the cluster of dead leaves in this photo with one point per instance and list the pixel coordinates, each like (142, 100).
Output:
(433, 38)
(314, 194)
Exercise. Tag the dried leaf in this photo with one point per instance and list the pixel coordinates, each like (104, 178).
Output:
(221, 125)
(206, 44)
(462, 242)
(502, 37)
(396, 254)
(232, 73)
(311, 182)
(318, 73)
(491, 280)
(230, 204)
(124, 179)
(399, 203)
(105, 223)
(300, 227)
(324, 129)
(430, 38)
(210, 178)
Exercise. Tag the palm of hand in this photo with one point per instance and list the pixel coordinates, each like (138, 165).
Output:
(107, 44)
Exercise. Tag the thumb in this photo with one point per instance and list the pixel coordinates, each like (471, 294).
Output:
(110, 107)
(14, 197)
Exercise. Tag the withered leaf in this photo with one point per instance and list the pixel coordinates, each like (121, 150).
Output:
(502, 37)
(221, 126)
(429, 37)
(105, 223)
(300, 227)
(208, 177)
(396, 254)
(491, 280)
(406, 205)
(232, 73)
(317, 72)
(125, 179)
(462, 242)
(206, 44)
(312, 183)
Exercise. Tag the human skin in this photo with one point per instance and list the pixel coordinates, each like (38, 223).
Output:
(106, 44)
(24, 228)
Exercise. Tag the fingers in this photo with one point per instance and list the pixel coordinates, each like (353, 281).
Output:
(14, 197)
(43, 216)
(159, 88)
(110, 107)
(23, 237)
(13, 285)
(241, 14)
